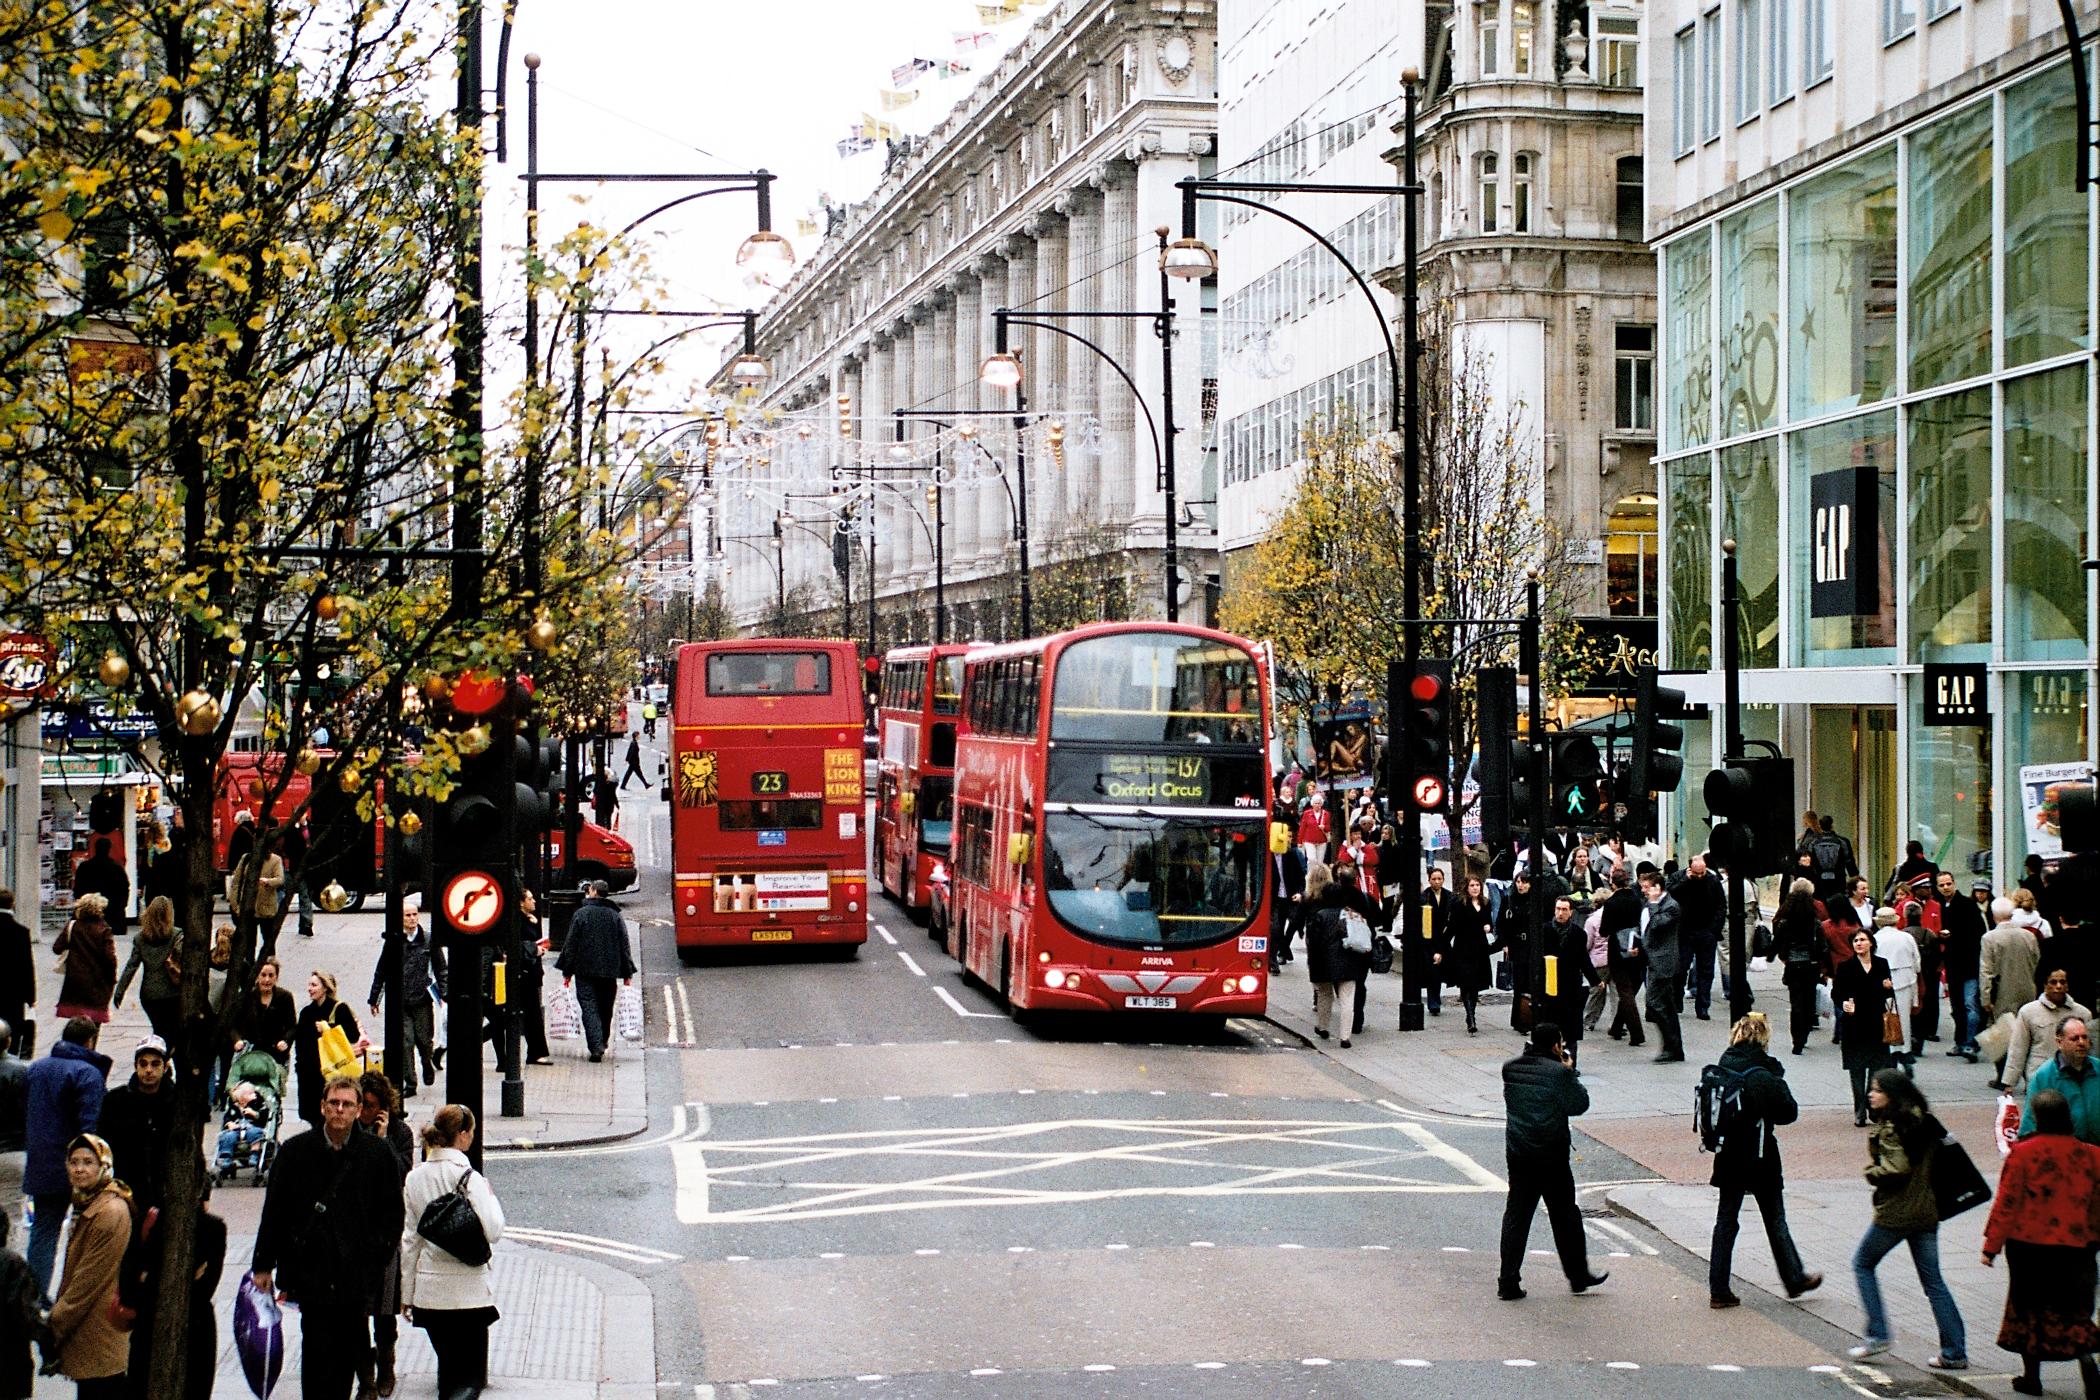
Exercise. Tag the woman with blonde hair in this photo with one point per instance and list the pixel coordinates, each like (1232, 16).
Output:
(1326, 956)
(153, 953)
(323, 1008)
(1745, 1097)
(87, 959)
(445, 1294)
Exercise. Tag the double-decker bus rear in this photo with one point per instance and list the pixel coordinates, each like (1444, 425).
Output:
(919, 715)
(766, 808)
(1111, 822)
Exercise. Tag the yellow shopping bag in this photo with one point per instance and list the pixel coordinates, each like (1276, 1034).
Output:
(337, 1056)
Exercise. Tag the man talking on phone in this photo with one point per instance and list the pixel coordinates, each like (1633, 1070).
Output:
(1541, 1092)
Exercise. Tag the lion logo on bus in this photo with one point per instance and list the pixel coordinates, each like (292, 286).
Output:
(699, 779)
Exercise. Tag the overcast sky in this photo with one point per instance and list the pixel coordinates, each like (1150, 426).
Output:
(689, 86)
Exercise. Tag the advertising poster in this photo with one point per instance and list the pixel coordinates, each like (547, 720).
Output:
(2038, 788)
(1344, 753)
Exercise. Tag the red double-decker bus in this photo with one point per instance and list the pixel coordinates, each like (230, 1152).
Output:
(918, 718)
(766, 839)
(1111, 818)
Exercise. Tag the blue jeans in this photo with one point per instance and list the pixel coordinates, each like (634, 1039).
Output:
(1925, 1255)
(1699, 954)
(1967, 998)
(51, 1210)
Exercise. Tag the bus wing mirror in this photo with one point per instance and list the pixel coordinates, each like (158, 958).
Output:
(1017, 848)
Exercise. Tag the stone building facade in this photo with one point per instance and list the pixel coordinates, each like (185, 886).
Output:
(1041, 191)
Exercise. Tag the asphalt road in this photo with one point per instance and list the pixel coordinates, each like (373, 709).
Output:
(861, 1178)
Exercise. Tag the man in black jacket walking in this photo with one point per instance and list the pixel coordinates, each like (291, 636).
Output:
(330, 1224)
(595, 956)
(136, 1120)
(17, 975)
(1755, 1101)
(1541, 1093)
(1620, 923)
(1660, 923)
(1704, 904)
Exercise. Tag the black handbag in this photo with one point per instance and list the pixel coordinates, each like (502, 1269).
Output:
(449, 1222)
(1381, 953)
(1956, 1184)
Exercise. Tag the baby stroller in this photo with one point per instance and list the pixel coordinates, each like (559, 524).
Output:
(254, 1112)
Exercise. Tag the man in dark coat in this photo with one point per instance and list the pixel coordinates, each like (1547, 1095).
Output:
(1959, 951)
(135, 1121)
(1704, 903)
(331, 1223)
(1286, 910)
(14, 1095)
(595, 956)
(1661, 922)
(1620, 923)
(1439, 910)
(102, 874)
(1568, 943)
(17, 975)
(1540, 1093)
(64, 1099)
(1747, 1161)
(421, 962)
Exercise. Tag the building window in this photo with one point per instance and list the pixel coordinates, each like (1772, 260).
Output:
(1710, 76)
(1779, 37)
(1841, 287)
(1633, 376)
(2045, 238)
(1520, 192)
(1898, 18)
(1950, 527)
(1489, 190)
(1685, 79)
(1618, 61)
(1843, 523)
(1818, 43)
(1487, 37)
(1633, 199)
(1748, 101)
(1749, 272)
(1949, 257)
(1940, 9)
(1688, 285)
(2045, 456)
(1520, 28)
(1689, 624)
(1630, 557)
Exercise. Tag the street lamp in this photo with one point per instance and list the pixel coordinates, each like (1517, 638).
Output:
(1190, 259)
(748, 371)
(1001, 371)
(765, 254)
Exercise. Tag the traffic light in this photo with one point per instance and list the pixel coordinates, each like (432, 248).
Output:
(1425, 733)
(1495, 719)
(1578, 782)
(472, 853)
(1658, 760)
(1752, 804)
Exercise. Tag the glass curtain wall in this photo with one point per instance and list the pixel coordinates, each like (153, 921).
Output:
(1689, 276)
(1950, 248)
(1866, 446)
(2044, 516)
(2045, 243)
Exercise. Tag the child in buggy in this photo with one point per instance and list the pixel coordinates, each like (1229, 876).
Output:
(254, 1114)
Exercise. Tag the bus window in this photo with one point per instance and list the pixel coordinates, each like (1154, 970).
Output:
(948, 686)
(734, 673)
(1149, 687)
(936, 811)
(940, 746)
(772, 814)
(1152, 880)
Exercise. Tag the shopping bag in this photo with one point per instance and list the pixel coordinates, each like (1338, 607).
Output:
(258, 1335)
(627, 1013)
(1956, 1184)
(2006, 1125)
(437, 1017)
(337, 1054)
(564, 1016)
(1825, 1007)
(1356, 937)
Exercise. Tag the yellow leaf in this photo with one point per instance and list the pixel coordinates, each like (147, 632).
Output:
(55, 224)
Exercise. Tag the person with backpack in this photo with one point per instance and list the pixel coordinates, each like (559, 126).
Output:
(1831, 854)
(1804, 957)
(1742, 1100)
(1901, 1149)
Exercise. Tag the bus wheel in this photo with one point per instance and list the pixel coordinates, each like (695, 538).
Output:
(690, 956)
(1006, 976)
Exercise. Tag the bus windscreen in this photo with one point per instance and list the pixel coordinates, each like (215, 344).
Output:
(1157, 687)
(751, 673)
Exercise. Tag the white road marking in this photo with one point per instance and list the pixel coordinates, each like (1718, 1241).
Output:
(1724, 1366)
(1467, 1120)
(887, 936)
(1622, 1365)
(959, 1009)
(1519, 1361)
(590, 1244)
(670, 1016)
(685, 1011)
(1414, 1361)
(986, 1371)
(1314, 1361)
(678, 1131)
(916, 970)
(1620, 1232)
(1210, 1365)
(689, 1169)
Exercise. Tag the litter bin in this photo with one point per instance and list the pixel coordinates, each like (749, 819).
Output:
(561, 907)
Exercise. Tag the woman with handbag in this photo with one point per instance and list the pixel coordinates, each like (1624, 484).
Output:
(323, 1011)
(1326, 956)
(87, 961)
(453, 1220)
(1798, 943)
(1472, 944)
(1901, 1150)
(152, 952)
(2046, 1222)
(1864, 990)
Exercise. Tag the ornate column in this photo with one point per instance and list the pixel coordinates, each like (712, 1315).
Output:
(898, 544)
(1125, 450)
(1076, 395)
(994, 522)
(1025, 257)
(964, 540)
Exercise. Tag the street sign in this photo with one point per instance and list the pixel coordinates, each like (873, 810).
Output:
(25, 666)
(473, 901)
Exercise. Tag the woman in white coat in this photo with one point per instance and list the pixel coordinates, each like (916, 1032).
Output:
(1900, 950)
(451, 1300)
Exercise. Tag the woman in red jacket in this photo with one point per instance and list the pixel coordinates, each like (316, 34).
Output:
(1314, 826)
(2044, 1223)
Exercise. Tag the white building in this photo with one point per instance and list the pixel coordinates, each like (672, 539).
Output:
(1041, 191)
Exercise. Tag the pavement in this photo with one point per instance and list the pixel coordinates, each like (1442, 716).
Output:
(1642, 1111)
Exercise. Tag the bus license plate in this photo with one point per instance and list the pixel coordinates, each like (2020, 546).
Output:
(771, 935)
(1150, 1003)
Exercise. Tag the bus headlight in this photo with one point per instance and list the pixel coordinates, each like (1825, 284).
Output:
(852, 906)
(1249, 984)
(1054, 978)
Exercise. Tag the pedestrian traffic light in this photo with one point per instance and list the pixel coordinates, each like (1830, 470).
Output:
(1425, 732)
(1657, 763)
(1751, 802)
(1578, 782)
(1495, 719)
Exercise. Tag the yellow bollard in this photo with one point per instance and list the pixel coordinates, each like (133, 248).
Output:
(1552, 975)
(502, 983)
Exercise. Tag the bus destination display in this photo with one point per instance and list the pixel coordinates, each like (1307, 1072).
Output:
(1157, 779)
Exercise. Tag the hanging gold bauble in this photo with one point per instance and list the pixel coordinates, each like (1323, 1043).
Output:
(542, 635)
(333, 898)
(409, 823)
(328, 607)
(308, 762)
(197, 712)
(114, 670)
(350, 780)
(435, 687)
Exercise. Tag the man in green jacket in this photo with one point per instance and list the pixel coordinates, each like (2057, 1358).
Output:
(2072, 1074)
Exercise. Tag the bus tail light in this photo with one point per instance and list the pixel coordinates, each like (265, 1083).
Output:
(691, 910)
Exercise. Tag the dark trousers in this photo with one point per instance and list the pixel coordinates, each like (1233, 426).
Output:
(333, 1343)
(1626, 980)
(1699, 973)
(633, 771)
(117, 1387)
(51, 1210)
(1363, 991)
(1554, 1183)
(1801, 1007)
(594, 998)
(1665, 997)
(1925, 1024)
(1771, 1204)
(461, 1341)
